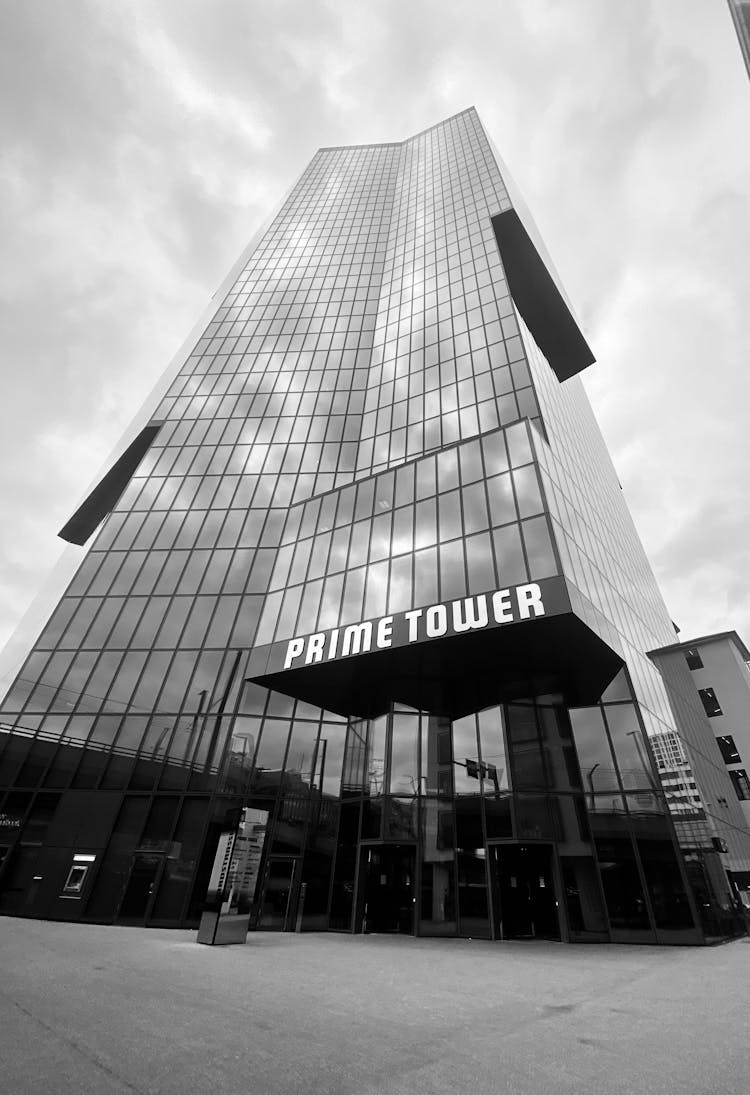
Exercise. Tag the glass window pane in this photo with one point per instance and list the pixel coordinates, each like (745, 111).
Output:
(447, 470)
(404, 774)
(438, 878)
(450, 515)
(630, 746)
(511, 567)
(452, 574)
(663, 877)
(377, 590)
(465, 756)
(557, 747)
(401, 819)
(495, 453)
(480, 563)
(528, 493)
(472, 894)
(425, 577)
(475, 508)
(623, 892)
(354, 777)
(376, 756)
(583, 899)
(471, 462)
(538, 544)
(502, 501)
(525, 752)
(519, 445)
(354, 588)
(403, 536)
(269, 757)
(425, 532)
(594, 754)
(399, 591)
(426, 482)
(494, 765)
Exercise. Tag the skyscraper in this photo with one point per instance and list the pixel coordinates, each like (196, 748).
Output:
(740, 10)
(365, 573)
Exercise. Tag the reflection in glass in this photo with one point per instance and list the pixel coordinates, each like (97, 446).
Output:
(452, 574)
(539, 552)
(438, 894)
(528, 494)
(425, 577)
(630, 746)
(450, 515)
(401, 819)
(372, 819)
(404, 768)
(466, 756)
(594, 754)
(586, 916)
(534, 818)
(399, 587)
(525, 751)
(342, 892)
(479, 562)
(376, 746)
(473, 908)
(353, 780)
(510, 562)
(557, 747)
(475, 508)
(664, 880)
(329, 759)
(502, 502)
(623, 892)
(269, 759)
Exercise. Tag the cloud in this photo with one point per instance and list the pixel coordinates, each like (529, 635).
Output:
(143, 144)
(202, 104)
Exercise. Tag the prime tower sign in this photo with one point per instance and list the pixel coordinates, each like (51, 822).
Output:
(445, 655)
(503, 606)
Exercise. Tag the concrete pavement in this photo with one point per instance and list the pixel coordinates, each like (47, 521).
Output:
(123, 1010)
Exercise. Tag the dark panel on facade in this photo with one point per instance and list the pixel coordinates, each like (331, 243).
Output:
(103, 497)
(539, 300)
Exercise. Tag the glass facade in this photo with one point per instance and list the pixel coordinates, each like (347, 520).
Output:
(373, 583)
(740, 10)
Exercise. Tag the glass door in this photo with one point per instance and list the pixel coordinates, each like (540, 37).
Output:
(276, 911)
(389, 890)
(145, 873)
(523, 891)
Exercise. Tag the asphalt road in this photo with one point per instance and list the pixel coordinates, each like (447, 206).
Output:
(106, 1009)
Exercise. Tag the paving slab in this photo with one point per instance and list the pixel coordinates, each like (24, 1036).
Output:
(113, 1010)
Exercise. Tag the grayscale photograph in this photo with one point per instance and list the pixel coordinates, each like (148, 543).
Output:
(374, 688)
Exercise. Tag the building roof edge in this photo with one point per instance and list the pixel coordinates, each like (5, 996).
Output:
(397, 144)
(702, 640)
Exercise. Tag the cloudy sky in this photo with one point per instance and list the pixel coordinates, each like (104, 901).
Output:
(141, 144)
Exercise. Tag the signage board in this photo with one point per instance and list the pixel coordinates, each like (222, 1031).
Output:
(494, 609)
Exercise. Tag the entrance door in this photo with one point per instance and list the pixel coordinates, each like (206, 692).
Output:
(389, 888)
(523, 892)
(276, 901)
(20, 884)
(140, 891)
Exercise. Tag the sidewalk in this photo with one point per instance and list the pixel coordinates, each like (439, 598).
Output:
(107, 1009)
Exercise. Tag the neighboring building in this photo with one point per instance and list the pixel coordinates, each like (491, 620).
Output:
(740, 10)
(367, 574)
(711, 675)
